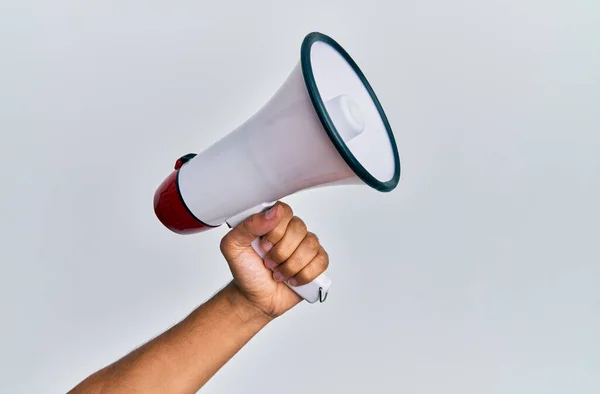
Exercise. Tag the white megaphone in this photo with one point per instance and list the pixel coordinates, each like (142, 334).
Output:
(324, 126)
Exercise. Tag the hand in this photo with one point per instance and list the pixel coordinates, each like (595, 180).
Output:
(294, 255)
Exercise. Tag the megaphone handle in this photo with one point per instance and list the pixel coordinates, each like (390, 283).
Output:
(312, 292)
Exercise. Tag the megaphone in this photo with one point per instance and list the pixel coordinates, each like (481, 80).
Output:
(324, 126)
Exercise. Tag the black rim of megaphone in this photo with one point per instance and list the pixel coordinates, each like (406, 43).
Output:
(328, 124)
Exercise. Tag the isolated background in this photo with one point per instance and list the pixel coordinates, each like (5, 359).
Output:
(478, 274)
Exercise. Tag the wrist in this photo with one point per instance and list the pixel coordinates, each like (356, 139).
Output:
(244, 309)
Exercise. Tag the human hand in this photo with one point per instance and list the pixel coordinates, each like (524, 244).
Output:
(294, 255)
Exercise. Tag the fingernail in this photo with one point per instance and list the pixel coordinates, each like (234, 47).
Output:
(266, 245)
(270, 264)
(278, 276)
(293, 282)
(270, 214)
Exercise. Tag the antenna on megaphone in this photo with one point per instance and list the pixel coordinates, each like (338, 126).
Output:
(324, 126)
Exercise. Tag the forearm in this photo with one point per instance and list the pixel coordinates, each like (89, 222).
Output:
(184, 358)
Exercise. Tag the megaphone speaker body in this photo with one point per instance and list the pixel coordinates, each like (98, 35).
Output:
(324, 126)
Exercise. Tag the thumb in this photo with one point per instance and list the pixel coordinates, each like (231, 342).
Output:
(253, 227)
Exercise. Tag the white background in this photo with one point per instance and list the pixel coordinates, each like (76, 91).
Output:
(478, 274)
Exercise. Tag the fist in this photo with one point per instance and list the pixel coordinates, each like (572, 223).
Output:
(293, 255)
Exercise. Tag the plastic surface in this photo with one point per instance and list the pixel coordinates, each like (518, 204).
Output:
(311, 292)
(171, 210)
(346, 115)
(280, 150)
(324, 126)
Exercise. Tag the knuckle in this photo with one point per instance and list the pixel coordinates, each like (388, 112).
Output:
(321, 262)
(287, 210)
(312, 241)
(225, 244)
(325, 263)
(298, 225)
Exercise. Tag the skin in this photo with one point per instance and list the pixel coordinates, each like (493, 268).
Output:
(185, 357)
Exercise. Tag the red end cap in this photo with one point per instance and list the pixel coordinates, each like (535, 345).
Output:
(171, 210)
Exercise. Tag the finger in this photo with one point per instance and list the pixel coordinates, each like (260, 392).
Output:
(256, 225)
(275, 235)
(300, 258)
(282, 250)
(316, 267)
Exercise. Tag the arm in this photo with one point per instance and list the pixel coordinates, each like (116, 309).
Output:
(184, 358)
